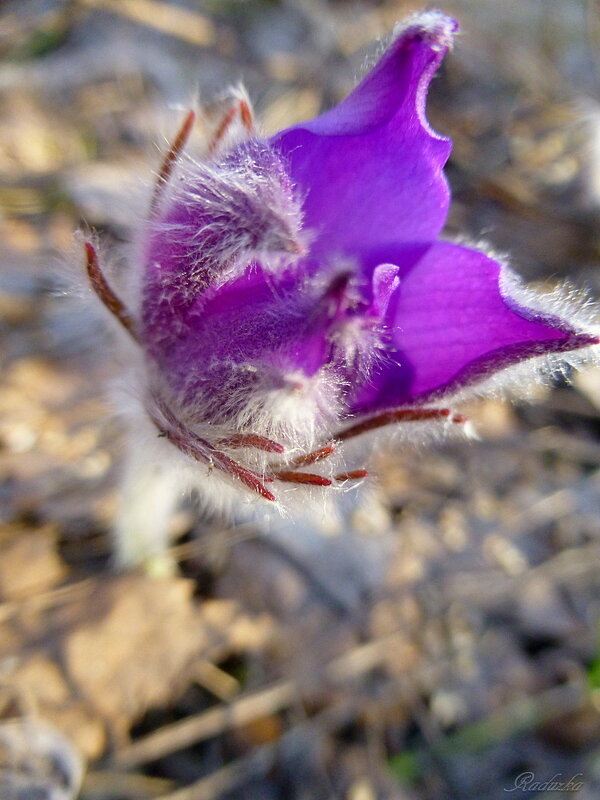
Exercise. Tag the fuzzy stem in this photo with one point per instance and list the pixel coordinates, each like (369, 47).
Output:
(149, 495)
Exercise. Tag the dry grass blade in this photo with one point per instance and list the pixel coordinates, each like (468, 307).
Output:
(262, 759)
(207, 724)
(553, 506)
(572, 564)
(41, 601)
(210, 723)
(196, 547)
(256, 764)
(122, 786)
(220, 683)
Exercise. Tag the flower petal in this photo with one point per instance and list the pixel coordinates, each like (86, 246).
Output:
(253, 331)
(452, 324)
(370, 169)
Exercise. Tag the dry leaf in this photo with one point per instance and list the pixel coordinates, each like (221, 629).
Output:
(29, 562)
(96, 663)
(134, 645)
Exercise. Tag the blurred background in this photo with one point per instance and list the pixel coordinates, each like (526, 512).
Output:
(445, 647)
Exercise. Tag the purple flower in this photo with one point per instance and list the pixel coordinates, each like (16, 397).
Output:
(291, 293)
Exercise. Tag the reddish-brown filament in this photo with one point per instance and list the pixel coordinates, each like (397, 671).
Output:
(241, 107)
(222, 128)
(246, 115)
(353, 475)
(247, 477)
(253, 440)
(103, 290)
(390, 417)
(302, 477)
(199, 449)
(171, 158)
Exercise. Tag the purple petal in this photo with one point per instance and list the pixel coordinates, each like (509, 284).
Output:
(370, 169)
(451, 327)
(208, 232)
(253, 331)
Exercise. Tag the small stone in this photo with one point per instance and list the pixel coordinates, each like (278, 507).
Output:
(37, 762)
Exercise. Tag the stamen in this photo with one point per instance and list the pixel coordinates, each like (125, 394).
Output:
(103, 290)
(339, 284)
(241, 107)
(337, 292)
(246, 115)
(199, 449)
(244, 475)
(353, 475)
(170, 159)
(224, 126)
(252, 440)
(391, 417)
(316, 455)
(303, 477)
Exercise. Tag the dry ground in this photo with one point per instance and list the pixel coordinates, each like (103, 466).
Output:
(447, 642)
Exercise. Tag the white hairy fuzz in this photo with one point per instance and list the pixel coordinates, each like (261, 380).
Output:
(150, 491)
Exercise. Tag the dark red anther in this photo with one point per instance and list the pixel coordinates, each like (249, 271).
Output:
(303, 477)
(335, 296)
(316, 455)
(171, 158)
(105, 293)
(338, 286)
(391, 417)
(252, 440)
(353, 475)
(459, 419)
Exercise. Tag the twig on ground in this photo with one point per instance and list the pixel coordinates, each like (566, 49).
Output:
(244, 710)
(263, 758)
(207, 724)
(123, 786)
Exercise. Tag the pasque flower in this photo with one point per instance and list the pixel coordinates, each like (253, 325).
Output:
(289, 296)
